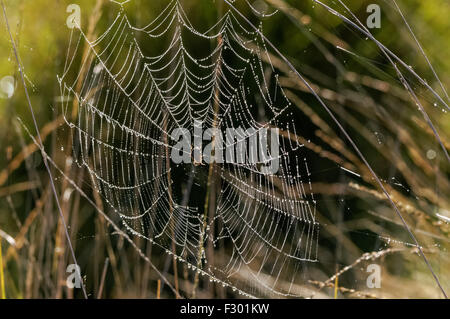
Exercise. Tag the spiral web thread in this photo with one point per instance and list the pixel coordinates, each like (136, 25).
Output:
(130, 101)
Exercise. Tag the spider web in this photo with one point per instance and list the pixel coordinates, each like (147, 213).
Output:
(132, 98)
(127, 99)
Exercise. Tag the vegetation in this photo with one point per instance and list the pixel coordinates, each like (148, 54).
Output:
(358, 225)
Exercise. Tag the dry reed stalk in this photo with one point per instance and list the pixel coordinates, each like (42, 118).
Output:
(359, 294)
(211, 183)
(102, 283)
(18, 187)
(59, 236)
(2, 277)
(171, 219)
(103, 230)
(404, 205)
(29, 149)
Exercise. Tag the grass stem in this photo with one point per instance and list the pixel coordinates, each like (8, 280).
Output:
(2, 277)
